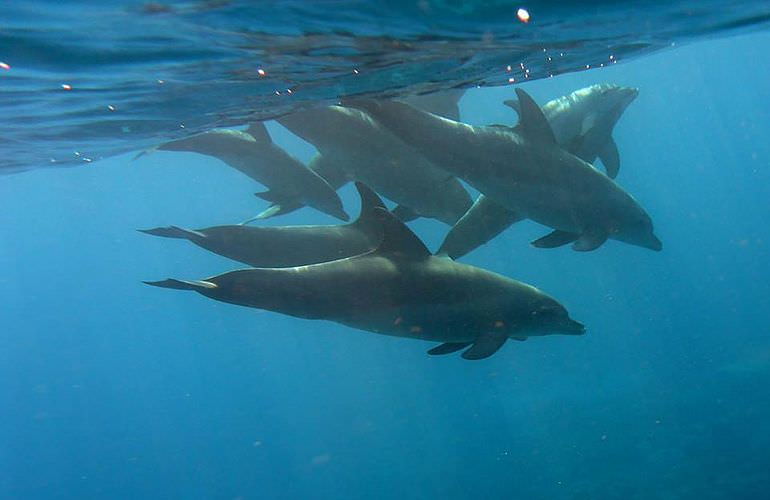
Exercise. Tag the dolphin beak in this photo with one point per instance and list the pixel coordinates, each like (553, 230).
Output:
(654, 244)
(573, 327)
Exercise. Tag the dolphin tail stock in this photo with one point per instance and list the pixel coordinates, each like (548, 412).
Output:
(198, 286)
(173, 232)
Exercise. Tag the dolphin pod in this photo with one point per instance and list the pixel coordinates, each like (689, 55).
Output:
(526, 171)
(288, 246)
(375, 274)
(582, 123)
(398, 289)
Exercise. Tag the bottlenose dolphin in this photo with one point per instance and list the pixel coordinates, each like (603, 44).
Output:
(254, 154)
(367, 152)
(399, 289)
(582, 123)
(525, 171)
(288, 246)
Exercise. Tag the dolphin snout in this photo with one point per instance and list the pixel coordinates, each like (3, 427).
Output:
(573, 327)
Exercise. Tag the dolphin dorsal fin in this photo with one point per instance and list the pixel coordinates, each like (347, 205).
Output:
(514, 105)
(259, 132)
(397, 239)
(532, 121)
(369, 203)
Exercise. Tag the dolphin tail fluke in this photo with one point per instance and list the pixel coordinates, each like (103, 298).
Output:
(485, 345)
(610, 158)
(173, 232)
(182, 284)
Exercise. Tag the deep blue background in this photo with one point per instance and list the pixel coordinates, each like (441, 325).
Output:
(112, 389)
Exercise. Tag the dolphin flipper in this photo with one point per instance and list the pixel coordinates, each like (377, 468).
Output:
(485, 345)
(173, 232)
(448, 348)
(590, 240)
(482, 222)
(555, 239)
(610, 158)
(197, 286)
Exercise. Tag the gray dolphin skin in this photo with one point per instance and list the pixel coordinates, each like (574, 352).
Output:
(582, 122)
(525, 171)
(254, 154)
(399, 289)
(368, 152)
(288, 246)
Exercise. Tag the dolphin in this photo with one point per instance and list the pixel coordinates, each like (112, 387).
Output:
(525, 171)
(582, 123)
(288, 246)
(399, 289)
(253, 153)
(367, 152)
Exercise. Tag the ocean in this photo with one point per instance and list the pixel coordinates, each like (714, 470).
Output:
(113, 389)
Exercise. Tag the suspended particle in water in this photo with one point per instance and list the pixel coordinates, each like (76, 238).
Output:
(523, 15)
(66, 86)
(111, 107)
(5, 65)
(261, 72)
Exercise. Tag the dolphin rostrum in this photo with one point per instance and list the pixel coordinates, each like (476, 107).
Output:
(582, 123)
(253, 153)
(525, 171)
(288, 246)
(399, 289)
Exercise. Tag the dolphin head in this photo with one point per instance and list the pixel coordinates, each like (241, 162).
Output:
(329, 203)
(606, 100)
(548, 317)
(636, 229)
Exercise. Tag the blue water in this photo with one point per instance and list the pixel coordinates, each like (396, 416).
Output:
(112, 389)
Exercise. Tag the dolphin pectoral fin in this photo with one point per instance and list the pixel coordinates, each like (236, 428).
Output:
(405, 214)
(555, 239)
(590, 240)
(610, 158)
(182, 284)
(448, 348)
(398, 239)
(485, 345)
(173, 232)
(532, 121)
(482, 222)
(270, 196)
(259, 132)
(514, 105)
